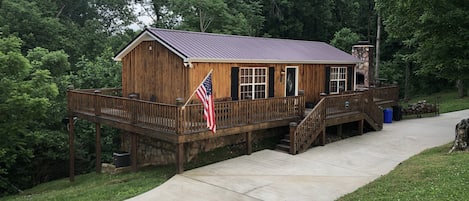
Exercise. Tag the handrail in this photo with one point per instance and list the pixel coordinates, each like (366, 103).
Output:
(174, 119)
(390, 93)
(373, 110)
(244, 112)
(308, 129)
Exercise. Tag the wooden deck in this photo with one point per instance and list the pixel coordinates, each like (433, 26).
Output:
(178, 125)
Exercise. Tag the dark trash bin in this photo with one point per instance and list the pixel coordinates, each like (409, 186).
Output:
(387, 115)
(397, 113)
(121, 159)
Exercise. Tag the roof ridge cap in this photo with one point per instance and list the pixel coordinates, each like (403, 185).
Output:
(232, 36)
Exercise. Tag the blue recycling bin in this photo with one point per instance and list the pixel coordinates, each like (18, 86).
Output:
(387, 115)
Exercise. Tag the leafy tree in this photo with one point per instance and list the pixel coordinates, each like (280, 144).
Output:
(344, 39)
(440, 38)
(240, 17)
(26, 20)
(102, 72)
(26, 98)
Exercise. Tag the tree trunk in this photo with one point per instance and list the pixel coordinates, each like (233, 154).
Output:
(406, 82)
(378, 41)
(461, 91)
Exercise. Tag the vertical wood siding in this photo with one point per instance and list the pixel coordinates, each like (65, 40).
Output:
(161, 73)
(157, 72)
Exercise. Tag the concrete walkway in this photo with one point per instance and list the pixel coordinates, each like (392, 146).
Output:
(321, 173)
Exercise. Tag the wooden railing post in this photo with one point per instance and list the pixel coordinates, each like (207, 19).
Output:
(179, 121)
(97, 102)
(293, 148)
(301, 103)
(133, 108)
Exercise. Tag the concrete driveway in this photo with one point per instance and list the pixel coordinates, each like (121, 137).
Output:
(321, 173)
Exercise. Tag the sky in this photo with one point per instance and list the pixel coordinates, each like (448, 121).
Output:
(143, 17)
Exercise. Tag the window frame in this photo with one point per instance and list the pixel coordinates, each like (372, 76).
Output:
(252, 80)
(338, 75)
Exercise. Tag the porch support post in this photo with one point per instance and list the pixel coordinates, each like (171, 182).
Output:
(339, 130)
(179, 131)
(71, 146)
(360, 126)
(293, 148)
(179, 158)
(248, 143)
(133, 152)
(98, 148)
(323, 135)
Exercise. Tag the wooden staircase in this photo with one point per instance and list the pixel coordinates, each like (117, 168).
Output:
(284, 145)
(332, 110)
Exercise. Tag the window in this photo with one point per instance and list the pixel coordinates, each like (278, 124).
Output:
(253, 83)
(338, 80)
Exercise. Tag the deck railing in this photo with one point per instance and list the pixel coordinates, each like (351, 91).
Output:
(244, 112)
(341, 104)
(388, 93)
(175, 119)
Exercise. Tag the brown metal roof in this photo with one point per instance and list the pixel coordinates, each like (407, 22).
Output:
(208, 47)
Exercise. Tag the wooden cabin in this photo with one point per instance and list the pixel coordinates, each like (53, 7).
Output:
(258, 84)
(163, 65)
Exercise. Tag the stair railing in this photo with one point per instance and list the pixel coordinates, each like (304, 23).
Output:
(306, 132)
(373, 110)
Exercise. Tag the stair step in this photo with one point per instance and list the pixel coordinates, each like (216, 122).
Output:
(285, 142)
(282, 147)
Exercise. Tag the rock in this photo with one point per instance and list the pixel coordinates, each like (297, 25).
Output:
(461, 139)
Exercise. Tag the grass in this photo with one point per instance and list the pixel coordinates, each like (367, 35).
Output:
(94, 186)
(431, 175)
(121, 186)
(448, 101)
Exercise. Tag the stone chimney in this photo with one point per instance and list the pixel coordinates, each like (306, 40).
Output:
(363, 72)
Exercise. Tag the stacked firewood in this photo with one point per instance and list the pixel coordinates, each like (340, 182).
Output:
(420, 107)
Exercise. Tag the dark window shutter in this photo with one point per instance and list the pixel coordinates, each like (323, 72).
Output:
(328, 79)
(349, 78)
(271, 81)
(234, 83)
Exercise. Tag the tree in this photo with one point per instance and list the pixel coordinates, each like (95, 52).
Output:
(440, 38)
(344, 39)
(26, 98)
(240, 17)
(102, 72)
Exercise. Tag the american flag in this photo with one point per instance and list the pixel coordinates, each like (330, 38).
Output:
(204, 93)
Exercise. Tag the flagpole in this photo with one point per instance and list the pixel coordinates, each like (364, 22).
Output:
(197, 88)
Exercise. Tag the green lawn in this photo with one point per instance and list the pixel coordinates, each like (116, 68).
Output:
(94, 186)
(431, 175)
(121, 186)
(448, 101)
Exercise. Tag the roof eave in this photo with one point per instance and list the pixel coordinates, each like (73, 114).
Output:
(271, 61)
(146, 35)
